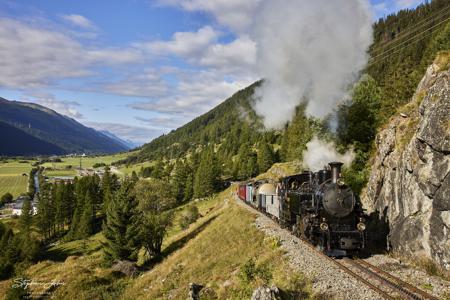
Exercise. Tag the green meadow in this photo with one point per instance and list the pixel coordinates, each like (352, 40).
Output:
(14, 176)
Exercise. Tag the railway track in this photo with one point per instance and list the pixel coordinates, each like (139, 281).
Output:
(380, 281)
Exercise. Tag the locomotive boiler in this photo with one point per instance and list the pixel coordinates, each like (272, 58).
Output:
(321, 208)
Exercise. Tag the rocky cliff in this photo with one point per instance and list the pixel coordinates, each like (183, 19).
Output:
(409, 184)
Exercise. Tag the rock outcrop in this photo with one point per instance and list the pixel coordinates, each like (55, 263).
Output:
(409, 183)
(266, 293)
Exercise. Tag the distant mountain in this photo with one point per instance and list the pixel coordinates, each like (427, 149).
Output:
(17, 142)
(127, 143)
(44, 131)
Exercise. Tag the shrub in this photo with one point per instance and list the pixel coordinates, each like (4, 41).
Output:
(6, 198)
(98, 165)
(189, 216)
(250, 272)
(430, 267)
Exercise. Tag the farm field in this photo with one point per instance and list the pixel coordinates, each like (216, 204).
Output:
(12, 179)
(69, 165)
(87, 162)
(127, 170)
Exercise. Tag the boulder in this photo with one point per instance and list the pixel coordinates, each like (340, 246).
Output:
(266, 293)
(125, 267)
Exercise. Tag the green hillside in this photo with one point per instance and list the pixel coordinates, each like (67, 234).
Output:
(405, 45)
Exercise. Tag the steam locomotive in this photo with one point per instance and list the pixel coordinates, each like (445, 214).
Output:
(316, 206)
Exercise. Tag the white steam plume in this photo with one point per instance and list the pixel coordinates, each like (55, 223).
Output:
(320, 153)
(308, 51)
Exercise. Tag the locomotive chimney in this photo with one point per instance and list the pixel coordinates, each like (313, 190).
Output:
(335, 171)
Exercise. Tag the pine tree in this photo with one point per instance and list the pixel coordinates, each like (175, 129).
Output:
(68, 203)
(119, 228)
(158, 170)
(59, 206)
(46, 210)
(265, 157)
(29, 246)
(109, 183)
(85, 225)
(180, 178)
(297, 135)
(26, 217)
(207, 175)
(189, 189)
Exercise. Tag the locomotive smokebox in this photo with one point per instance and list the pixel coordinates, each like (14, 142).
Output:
(335, 171)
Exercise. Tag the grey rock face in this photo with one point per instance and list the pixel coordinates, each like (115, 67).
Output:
(409, 183)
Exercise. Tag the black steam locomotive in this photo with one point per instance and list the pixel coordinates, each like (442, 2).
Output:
(320, 208)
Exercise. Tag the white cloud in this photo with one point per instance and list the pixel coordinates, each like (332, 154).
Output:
(195, 94)
(202, 49)
(128, 132)
(164, 121)
(67, 108)
(235, 14)
(79, 20)
(239, 53)
(32, 57)
(184, 44)
(146, 84)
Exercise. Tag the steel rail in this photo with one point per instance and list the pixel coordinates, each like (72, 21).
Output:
(399, 281)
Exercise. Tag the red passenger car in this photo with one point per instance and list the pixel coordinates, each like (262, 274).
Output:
(242, 191)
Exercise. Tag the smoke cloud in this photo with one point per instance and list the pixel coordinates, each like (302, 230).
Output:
(320, 153)
(308, 52)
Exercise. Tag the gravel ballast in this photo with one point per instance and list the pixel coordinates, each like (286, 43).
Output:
(332, 282)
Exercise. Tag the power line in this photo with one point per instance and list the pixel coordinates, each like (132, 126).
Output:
(398, 50)
(420, 24)
(408, 40)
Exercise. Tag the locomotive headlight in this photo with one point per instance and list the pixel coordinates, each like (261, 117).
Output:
(324, 226)
(361, 226)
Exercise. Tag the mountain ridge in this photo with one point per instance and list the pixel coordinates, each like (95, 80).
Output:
(53, 128)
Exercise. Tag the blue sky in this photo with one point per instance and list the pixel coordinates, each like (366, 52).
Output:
(137, 68)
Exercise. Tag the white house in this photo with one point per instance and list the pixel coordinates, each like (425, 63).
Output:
(18, 204)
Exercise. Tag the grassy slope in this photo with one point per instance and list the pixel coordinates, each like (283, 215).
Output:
(11, 179)
(211, 252)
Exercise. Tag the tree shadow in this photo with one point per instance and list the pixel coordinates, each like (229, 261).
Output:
(175, 245)
(60, 255)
